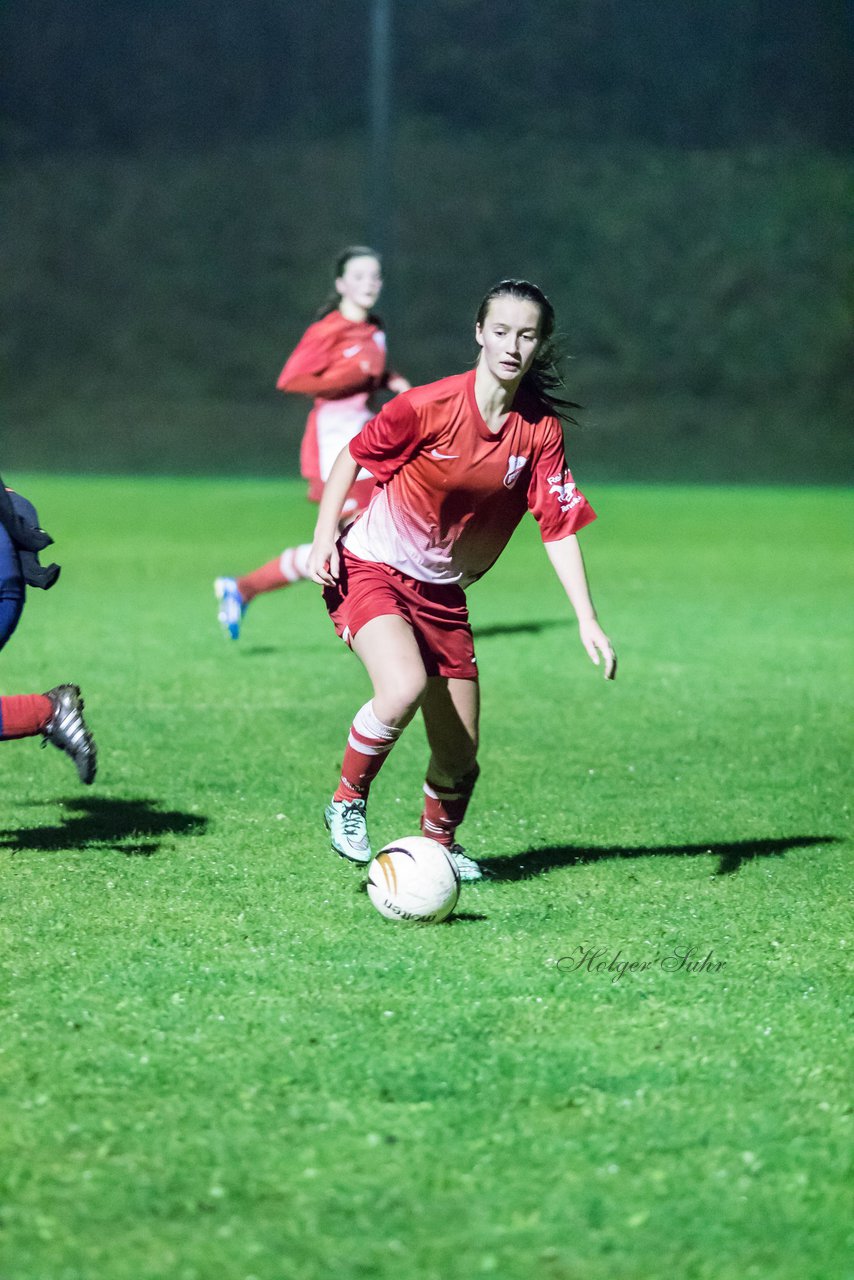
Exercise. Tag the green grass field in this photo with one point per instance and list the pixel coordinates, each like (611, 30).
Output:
(217, 1060)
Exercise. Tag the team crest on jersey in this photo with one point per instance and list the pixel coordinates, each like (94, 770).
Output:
(563, 487)
(514, 470)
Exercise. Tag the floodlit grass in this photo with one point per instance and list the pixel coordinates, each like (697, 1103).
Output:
(218, 1061)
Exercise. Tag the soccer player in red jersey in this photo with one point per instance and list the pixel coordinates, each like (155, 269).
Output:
(58, 714)
(457, 465)
(340, 362)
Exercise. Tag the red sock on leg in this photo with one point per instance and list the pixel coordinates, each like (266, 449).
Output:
(291, 566)
(22, 715)
(367, 747)
(445, 807)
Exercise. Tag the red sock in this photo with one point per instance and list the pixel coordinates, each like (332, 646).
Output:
(445, 807)
(24, 714)
(291, 566)
(367, 747)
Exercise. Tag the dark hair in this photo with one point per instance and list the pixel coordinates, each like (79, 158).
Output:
(333, 299)
(543, 378)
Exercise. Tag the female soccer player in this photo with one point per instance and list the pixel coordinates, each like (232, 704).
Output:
(340, 361)
(457, 465)
(58, 714)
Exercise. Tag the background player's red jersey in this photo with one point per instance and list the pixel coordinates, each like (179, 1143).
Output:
(339, 363)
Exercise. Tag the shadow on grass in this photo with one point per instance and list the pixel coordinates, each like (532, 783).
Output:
(732, 854)
(517, 628)
(133, 827)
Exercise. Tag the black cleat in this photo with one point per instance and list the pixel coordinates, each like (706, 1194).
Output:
(66, 729)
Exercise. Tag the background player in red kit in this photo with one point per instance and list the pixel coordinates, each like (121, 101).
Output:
(340, 361)
(457, 463)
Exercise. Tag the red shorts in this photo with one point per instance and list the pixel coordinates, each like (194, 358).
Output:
(436, 612)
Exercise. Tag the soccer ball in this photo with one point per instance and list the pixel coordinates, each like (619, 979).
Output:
(415, 880)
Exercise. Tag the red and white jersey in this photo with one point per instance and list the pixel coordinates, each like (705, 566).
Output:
(452, 491)
(340, 363)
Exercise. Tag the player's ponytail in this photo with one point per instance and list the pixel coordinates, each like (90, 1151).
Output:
(333, 298)
(543, 378)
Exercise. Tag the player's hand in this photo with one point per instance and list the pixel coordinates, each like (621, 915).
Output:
(324, 562)
(598, 646)
(398, 383)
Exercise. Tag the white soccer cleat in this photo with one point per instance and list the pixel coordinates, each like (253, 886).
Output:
(467, 867)
(347, 823)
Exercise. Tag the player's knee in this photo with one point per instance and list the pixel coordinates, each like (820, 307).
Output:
(400, 696)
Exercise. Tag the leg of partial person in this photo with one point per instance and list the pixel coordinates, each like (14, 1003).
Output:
(23, 715)
(58, 716)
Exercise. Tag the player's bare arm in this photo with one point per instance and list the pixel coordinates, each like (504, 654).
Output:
(323, 559)
(568, 564)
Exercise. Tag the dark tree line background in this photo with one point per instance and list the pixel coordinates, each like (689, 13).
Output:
(178, 175)
(128, 74)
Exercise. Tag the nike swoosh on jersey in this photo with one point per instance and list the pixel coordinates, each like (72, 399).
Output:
(352, 351)
(434, 453)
